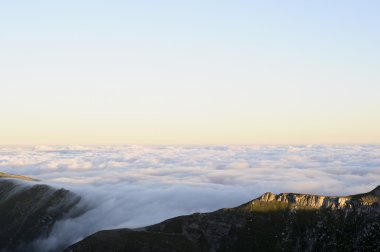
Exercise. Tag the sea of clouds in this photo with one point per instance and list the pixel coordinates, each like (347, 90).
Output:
(134, 186)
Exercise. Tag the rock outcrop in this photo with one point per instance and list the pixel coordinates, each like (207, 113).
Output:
(305, 200)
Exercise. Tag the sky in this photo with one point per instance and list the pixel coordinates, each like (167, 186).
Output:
(189, 72)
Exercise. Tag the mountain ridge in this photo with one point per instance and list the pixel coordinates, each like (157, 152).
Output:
(271, 222)
(16, 176)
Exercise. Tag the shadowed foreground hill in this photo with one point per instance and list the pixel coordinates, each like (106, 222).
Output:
(28, 211)
(283, 222)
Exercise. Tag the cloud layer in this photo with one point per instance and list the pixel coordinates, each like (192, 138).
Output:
(132, 186)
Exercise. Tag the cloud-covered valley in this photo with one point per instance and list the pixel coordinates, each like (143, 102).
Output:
(133, 186)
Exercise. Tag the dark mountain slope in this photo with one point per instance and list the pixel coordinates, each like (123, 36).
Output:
(28, 211)
(132, 240)
(283, 222)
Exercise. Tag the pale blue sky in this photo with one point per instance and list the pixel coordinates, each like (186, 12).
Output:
(189, 72)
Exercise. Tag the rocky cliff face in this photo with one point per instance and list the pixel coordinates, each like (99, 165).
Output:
(322, 202)
(313, 201)
(283, 222)
(29, 211)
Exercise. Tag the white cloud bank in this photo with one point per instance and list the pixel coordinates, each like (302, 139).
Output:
(132, 186)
